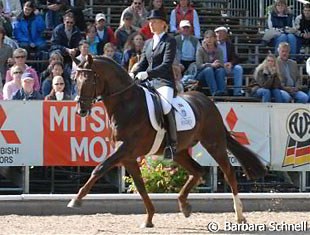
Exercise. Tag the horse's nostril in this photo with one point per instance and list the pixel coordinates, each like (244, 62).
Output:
(82, 113)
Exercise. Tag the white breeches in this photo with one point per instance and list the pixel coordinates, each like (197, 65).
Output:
(166, 98)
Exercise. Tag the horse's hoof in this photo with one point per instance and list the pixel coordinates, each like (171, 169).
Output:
(75, 203)
(242, 220)
(187, 210)
(147, 225)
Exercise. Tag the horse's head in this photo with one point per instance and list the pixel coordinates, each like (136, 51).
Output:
(86, 84)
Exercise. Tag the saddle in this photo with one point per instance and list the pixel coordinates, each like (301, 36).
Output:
(159, 112)
(184, 115)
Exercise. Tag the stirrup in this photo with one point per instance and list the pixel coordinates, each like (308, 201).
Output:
(169, 152)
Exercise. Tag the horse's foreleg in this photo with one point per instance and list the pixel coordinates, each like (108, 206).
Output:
(97, 173)
(195, 172)
(133, 169)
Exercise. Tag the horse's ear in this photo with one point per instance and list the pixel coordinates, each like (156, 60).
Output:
(89, 60)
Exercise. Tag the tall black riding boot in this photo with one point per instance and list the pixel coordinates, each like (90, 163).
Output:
(171, 146)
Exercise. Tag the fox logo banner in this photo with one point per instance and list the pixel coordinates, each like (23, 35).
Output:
(290, 129)
(298, 141)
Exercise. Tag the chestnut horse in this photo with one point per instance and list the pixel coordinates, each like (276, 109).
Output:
(133, 134)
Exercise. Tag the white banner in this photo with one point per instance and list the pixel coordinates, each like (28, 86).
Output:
(21, 133)
(278, 130)
(250, 122)
(290, 131)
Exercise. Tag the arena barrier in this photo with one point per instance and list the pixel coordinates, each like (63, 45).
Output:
(56, 204)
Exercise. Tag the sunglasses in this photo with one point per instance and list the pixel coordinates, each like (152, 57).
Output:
(20, 56)
(18, 72)
(59, 84)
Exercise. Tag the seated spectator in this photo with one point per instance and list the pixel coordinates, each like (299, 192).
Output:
(146, 31)
(54, 57)
(53, 13)
(105, 33)
(109, 51)
(137, 9)
(28, 31)
(19, 58)
(133, 49)
(267, 81)
(58, 91)
(125, 30)
(92, 39)
(187, 44)
(209, 60)
(230, 58)
(153, 5)
(84, 51)
(57, 69)
(12, 86)
(65, 38)
(5, 21)
(27, 92)
(281, 20)
(302, 25)
(11, 42)
(291, 81)
(76, 7)
(6, 52)
(184, 11)
(12, 9)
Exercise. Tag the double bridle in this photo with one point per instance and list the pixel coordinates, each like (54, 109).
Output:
(87, 101)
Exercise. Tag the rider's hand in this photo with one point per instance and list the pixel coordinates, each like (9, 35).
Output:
(142, 76)
(132, 75)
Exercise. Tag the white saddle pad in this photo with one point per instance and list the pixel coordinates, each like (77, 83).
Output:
(184, 115)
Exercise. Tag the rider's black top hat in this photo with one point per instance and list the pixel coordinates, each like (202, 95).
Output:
(157, 14)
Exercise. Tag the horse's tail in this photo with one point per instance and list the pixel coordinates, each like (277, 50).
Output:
(249, 160)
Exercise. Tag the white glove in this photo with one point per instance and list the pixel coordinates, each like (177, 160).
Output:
(142, 76)
(131, 75)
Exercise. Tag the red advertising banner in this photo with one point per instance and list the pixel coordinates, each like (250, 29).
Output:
(70, 140)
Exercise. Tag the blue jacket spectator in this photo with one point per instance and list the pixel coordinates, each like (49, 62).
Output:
(28, 29)
(66, 37)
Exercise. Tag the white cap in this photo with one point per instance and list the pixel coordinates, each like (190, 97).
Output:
(100, 16)
(222, 28)
(185, 23)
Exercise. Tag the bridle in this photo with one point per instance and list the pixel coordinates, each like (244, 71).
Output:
(89, 100)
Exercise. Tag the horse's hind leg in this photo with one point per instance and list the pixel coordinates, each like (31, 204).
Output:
(195, 172)
(218, 152)
(133, 169)
(97, 173)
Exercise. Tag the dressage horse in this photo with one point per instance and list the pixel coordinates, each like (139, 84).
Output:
(134, 135)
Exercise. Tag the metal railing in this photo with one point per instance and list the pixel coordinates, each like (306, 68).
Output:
(258, 8)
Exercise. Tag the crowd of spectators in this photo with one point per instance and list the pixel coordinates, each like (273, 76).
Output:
(23, 37)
